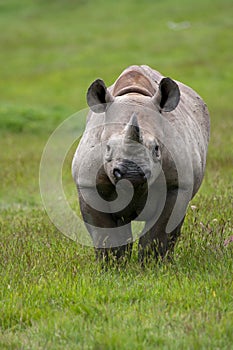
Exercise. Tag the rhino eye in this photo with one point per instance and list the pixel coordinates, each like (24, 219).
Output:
(108, 155)
(156, 151)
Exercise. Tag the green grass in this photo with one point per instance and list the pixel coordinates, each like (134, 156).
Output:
(53, 295)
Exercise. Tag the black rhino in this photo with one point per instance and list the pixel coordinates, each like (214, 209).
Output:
(142, 157)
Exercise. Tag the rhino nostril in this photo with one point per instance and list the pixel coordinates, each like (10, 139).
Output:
(117, 173)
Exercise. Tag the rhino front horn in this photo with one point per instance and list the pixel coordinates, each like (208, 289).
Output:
(132, 130)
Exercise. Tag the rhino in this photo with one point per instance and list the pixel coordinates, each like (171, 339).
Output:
(142, 157)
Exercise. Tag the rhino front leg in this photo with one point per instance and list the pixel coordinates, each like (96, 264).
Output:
(112, 238)
(117, 239)
(157, 242)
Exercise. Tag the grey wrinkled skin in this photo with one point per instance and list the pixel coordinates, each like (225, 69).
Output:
(153, 132)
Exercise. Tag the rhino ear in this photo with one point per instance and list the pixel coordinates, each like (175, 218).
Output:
(168, 95)
(98, 96)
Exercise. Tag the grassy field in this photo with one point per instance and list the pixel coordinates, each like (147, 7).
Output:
(53, 295)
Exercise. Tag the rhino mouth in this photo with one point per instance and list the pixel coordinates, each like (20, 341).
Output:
(130, 171)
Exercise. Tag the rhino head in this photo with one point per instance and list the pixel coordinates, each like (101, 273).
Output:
(130, 139)
(126, 157)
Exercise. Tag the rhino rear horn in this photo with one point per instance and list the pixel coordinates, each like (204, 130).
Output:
(168, 95)
(98, 96)
(132, 130)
